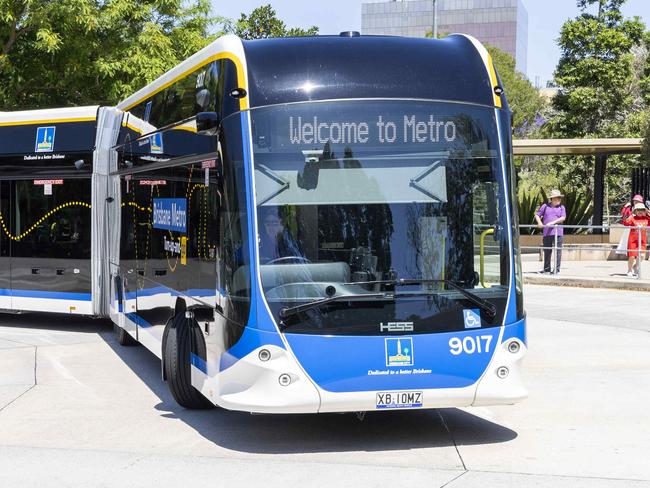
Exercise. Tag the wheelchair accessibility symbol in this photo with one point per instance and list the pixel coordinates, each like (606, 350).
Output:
(472, 318)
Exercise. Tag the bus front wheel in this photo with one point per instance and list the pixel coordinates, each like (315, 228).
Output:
(123, 337)
(182, 339)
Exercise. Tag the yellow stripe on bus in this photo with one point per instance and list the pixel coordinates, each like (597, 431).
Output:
(495, 81)
(50, 121)
(180, 127)
(132, 127)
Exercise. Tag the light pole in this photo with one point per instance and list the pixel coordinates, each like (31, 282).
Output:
(435, 21)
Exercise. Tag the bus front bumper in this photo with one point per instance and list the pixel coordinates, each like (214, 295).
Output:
(279, 385)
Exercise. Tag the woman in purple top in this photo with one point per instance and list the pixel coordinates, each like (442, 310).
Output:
(548, 217)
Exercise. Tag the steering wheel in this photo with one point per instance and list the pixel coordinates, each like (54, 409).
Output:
(288, 258)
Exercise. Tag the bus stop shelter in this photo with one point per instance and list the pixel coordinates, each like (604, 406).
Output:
(600, 149)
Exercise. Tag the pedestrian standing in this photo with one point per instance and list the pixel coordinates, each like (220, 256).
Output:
(626, 211)
(637, 241)
(549, 217)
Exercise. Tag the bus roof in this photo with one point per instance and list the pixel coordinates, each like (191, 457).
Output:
(58, 130)
(456, 68)
(49, 116)
(284, 70)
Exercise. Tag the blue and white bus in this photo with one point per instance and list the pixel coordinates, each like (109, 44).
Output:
(52, 203)
(322, 224)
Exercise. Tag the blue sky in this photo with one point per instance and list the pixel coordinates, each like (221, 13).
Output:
(545, 17)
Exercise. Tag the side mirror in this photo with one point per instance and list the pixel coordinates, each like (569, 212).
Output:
(207, 123)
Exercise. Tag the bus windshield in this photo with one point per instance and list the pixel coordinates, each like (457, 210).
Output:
(354, 196)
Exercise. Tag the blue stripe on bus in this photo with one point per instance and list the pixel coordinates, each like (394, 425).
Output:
(510, 314)
(261, 329)
(139, 321)
(516, 330)
(130, 295)
(250, 340)
(60, 295)
(158, 290)
(199, 363)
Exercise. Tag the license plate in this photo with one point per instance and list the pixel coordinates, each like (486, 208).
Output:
(399, 399)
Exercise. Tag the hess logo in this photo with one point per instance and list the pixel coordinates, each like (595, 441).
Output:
(396, 327)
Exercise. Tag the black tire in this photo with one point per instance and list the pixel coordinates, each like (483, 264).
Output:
(178, 346)
(123, 337)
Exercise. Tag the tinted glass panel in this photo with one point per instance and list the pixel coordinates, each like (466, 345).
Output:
(51, 218)
(50, 232)
(351, 193)
(185, 228)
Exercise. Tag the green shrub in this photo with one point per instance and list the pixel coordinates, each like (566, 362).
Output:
(528, 203)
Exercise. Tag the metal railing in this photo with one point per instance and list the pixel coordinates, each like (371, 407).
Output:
(641, 251)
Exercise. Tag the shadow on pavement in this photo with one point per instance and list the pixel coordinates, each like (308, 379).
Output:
(309, 433)
(56, 322)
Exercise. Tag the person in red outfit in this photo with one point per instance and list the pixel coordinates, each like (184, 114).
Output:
(626, 211)
(637, 241)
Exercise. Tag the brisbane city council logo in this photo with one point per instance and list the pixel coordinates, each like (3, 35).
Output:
(399, 351)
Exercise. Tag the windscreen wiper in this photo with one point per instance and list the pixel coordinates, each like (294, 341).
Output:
(289, 311)
(489, 308)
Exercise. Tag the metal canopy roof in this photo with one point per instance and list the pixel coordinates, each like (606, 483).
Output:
(546, 147)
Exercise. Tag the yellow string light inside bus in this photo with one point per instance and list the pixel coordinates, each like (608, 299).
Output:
(41, 220)
(134, 204)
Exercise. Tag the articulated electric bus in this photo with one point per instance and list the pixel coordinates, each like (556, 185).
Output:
(50, 257)
(321, 224)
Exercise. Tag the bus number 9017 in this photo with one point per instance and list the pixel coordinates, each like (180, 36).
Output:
(470, 345)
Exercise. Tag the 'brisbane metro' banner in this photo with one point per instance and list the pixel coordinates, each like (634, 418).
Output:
(170, 214)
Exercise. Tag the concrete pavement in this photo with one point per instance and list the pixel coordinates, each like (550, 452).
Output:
(76, 409)
(587, 274)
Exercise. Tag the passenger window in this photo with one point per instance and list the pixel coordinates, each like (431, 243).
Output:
(52, 221)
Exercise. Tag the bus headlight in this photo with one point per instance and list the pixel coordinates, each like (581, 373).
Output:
(502, 372)
(284, 379)
(514, 347)
(264, 355)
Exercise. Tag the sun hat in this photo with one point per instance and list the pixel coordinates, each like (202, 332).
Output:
(555, 194)
(637, 198)
(639, 206)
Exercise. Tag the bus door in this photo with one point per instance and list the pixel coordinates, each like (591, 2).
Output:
(157, 254)
(5, 246)
(50, 252)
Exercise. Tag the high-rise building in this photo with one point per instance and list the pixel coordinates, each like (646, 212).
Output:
(500, 23)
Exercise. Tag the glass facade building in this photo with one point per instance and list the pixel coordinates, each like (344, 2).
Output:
(500, 23)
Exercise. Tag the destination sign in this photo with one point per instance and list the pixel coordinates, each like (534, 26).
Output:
(409, 129)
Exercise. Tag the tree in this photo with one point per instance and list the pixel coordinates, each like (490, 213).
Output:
(644, 76)
(594, 69)
(263, 23)
(81, 52)
(524, 100)
(645, 149)
(599, 92)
